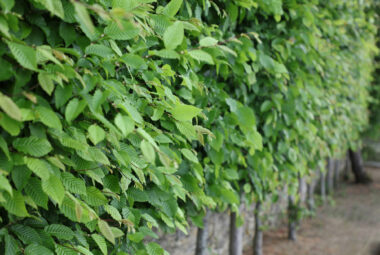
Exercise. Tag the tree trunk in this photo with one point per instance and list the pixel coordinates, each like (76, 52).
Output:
(330, 176)
(292, 219)
(258, 239)
(202, 236)
(236, 234)
(322, 187)
(346, 173)
(310, 196)
(357, 167)
(337, 168)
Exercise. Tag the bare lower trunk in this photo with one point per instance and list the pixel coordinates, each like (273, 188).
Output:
(330, 176)
(236, 234)
(258, 239)
(292, 218)
(310, 196)
(337, 168)
(202, 236)
(357, 167)
(322, 187)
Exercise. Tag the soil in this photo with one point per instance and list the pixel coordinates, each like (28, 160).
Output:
(349, 225)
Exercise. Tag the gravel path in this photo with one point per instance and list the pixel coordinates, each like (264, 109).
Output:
(350, 227)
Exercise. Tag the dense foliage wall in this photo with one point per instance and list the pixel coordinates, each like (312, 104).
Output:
(122, 117)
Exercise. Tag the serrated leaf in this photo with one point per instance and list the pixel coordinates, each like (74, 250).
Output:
(73, 109)
(99, 50)
(11, 246)
(125, 124)
(25, 55)
(34, 190)
(173, 35)
(5, 185)
(59, 231)
(73, 184)
(183, 112)
(48, 117)
(165, 53)
(38, 166)
(46, 82)
(54, 6)
(189, 155)
(32, 145)
(154, 249)
(113, 212)
(53, 187)
(172, 8)
(62, 250)
(10, 108)
(148, 151)
(94, 197)
(99, 240)
(96, 134)
(202, 56)
(106, 231)
(4, 147)
(125, 31)
(15, 204)
(85, 20)
(208, 42)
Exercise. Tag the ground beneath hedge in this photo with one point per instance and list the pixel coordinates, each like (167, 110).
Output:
(351, 226)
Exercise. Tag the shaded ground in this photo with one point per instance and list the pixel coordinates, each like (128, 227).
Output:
(350, 227)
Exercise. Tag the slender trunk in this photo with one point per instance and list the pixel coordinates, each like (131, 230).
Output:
(258, 239)
(236, 234)
(202, 236)
(346, 173)
(330, 176)
(292, 218)
(357, 167)
(338, 164)
(310, 196)
(323, 187)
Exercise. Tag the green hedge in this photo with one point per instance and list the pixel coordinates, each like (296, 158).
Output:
(123, 117)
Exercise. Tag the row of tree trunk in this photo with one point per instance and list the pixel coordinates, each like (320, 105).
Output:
(328, 181)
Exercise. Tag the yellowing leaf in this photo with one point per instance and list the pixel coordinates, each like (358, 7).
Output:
(173, 35)
(183, 112)
(10, 108)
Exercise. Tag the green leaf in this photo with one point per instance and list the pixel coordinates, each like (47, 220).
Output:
(36, 249)
(131, 111)
(53, 187)
(172, 8)
(208, 42)
(4, 147)
(15, 204)
(126, 31)
(5, 185)
(48, 117)
(173, 35)
(154, 249)
(11, 246)
(38, 167)
(246, 117)
(7, 5)
(94, 197)
(99, 50)
(46, 82)
(32, 145)
(25, 55)
(106, 231)
(189, 155)
(134, 61)
(59, 231)
(99, 240)
(201, 55)
(54, 6)
(148, 151)
(183, 112)
(96, 134)
(63, 250)
(10, 108)
(73, 109)
(85, 20)
(170, 54)
(113, 212)
(34, 190)
(73, 184)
